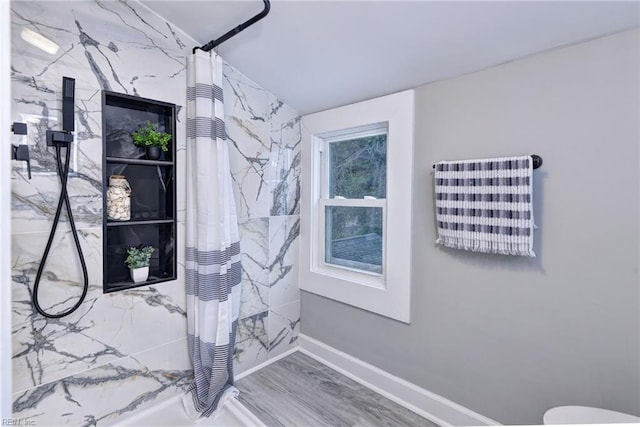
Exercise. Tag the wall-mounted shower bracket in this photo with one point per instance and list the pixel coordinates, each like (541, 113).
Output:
(59, 137)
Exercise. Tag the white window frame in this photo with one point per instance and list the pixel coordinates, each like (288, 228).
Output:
(321, 193)
(386, 293)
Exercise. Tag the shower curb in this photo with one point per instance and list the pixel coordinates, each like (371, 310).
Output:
(423, 402)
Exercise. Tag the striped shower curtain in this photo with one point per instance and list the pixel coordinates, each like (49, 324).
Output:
(212, 240)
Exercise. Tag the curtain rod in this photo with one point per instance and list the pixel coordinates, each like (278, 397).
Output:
(213, 43)
(537, 161)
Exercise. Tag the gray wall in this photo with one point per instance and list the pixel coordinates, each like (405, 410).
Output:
(512, 337)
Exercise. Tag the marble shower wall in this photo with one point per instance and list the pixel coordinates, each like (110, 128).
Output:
(110, 357)
(264, 136)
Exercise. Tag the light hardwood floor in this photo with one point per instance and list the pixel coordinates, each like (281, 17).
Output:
(298, 391)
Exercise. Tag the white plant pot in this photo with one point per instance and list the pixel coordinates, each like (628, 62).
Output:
(139, 275)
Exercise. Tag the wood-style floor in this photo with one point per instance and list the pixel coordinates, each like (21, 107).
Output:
(298, 391)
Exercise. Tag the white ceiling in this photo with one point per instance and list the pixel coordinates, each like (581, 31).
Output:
(321, 54)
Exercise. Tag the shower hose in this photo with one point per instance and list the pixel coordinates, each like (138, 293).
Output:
(64, 198)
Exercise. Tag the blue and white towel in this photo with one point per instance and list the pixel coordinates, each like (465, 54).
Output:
(486, 205)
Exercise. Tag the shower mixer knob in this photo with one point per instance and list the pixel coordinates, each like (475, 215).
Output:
(21, 152)
(19, 128)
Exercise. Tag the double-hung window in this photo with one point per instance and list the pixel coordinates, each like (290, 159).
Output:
(352, 203)
(356, 204)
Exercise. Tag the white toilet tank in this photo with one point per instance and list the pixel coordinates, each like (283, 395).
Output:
(586, 415)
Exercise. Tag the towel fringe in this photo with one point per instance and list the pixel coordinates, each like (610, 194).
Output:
(485, 205)
(502, 248)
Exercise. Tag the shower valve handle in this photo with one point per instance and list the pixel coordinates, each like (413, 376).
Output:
(21, 152)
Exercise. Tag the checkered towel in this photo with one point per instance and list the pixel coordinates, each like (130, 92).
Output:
(485, 205)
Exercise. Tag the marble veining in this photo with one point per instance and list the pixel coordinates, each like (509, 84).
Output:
(243, 97)
(92, 54)
(62, 276)
(283, 259)
(284, 328)
(286, 191)
(89, 367)
(254, 238)
(46, 349)
(102, 394)
(123, 350)
(286, 138)
(249, 161)
(252, 342)
(265, 137)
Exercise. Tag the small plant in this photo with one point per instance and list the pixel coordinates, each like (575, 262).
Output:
(139, 256)
(149, 136)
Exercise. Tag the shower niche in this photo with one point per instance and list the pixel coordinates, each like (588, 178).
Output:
(152, 214)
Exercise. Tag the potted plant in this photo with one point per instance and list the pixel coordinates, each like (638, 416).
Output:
(151, 139)
(138, 260)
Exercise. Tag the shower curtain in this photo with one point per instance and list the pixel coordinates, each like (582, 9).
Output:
(212, 240)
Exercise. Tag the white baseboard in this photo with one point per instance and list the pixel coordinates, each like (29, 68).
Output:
(264, 364)
(431, 406)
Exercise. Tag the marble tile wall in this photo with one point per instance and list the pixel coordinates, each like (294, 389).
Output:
(265, 138)
(110, 357)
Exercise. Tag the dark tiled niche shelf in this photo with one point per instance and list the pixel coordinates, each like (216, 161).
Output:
(153, 190)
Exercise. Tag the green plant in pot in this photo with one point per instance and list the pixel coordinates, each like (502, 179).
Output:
(151, 139)
(138, 261)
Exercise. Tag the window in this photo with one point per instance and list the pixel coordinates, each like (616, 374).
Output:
(351, 207)
(356, 204)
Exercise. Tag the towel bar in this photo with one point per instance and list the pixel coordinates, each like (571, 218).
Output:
(537, 161)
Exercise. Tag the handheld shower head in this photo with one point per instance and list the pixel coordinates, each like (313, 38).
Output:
(65, 137)
(68, 101)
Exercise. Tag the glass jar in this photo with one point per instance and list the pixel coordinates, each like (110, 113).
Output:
(118, 199)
